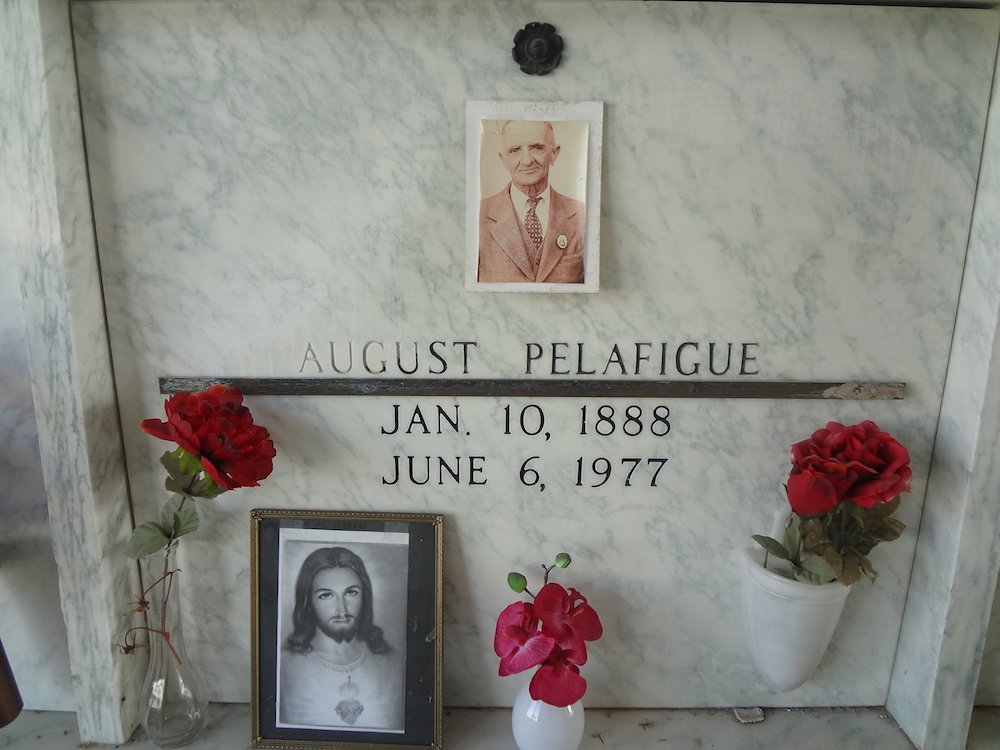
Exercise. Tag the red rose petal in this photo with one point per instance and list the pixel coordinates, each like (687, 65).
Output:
(810, 494)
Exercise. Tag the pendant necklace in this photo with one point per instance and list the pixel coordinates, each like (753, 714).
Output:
(349, 708)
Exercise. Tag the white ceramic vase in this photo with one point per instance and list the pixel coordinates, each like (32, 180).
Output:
(539, 726)
(787, 624)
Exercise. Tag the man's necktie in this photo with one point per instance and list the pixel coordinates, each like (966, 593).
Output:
(534, 228)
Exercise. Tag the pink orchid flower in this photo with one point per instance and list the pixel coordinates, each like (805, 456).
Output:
(517, 640)
(558, 681)
(568, 618)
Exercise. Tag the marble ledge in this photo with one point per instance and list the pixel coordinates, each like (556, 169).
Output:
(635, 729)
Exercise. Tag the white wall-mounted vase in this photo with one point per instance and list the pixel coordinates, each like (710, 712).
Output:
(539, 726)
(787, 624)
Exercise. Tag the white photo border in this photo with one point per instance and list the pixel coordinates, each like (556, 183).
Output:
(315, 539)
(593, 113)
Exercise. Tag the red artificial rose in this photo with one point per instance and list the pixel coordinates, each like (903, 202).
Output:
(568, 618)
(858, 464)
(881, 464)
(811, 493)
(517, 641)
(558, 681)
(215, 426)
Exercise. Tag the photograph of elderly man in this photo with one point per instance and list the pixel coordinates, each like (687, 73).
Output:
(528, 232)
(336, 668)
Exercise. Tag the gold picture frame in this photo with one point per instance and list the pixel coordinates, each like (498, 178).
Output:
(346, 622)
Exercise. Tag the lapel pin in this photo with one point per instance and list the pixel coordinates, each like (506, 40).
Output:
(562, 242)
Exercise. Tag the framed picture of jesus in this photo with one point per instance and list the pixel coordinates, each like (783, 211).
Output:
(346, 629)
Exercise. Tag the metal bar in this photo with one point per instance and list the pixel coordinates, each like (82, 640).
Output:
(847, 391)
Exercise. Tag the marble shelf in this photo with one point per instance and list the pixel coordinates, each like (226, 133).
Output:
(635, 729)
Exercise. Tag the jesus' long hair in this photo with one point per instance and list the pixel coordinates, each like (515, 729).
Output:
(304, 615)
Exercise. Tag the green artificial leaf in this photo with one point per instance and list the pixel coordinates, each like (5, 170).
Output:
(887, 530)
(174, 485)
(773, 546)
(793, 536)
(146, 539)
(807, 576)
(179, 515)
(205, 487)
(819, 569)
(517, 582)
(563, 560)
(190, 462)
(865, 566)
(815, 536)
(172, 463)
(856, 512)
(835, 561)
(863, 547)
(186, 475)
(883, 510)
(851, 571)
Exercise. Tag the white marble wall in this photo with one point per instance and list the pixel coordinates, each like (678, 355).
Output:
(267, 175)
(50, 235)
(915, 150)
(985, 239)
(32, 628)
(988, 691)
(955, 569)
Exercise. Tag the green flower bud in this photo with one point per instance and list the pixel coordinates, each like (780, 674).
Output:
(517, 582)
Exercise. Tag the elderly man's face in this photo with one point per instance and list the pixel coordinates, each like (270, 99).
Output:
(529, 149)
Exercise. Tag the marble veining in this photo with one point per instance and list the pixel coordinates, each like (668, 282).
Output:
(955, 572)
(71, 386)
(33, 632)
(267, 176)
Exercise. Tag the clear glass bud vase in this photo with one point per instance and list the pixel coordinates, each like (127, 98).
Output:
(173, 707)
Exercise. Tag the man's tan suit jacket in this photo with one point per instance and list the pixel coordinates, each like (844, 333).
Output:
(504, 244)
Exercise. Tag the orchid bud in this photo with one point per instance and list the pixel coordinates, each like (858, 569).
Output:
(517, 582)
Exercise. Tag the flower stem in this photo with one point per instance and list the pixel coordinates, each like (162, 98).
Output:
(168, 579)
(548, 569)
(185, 496)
